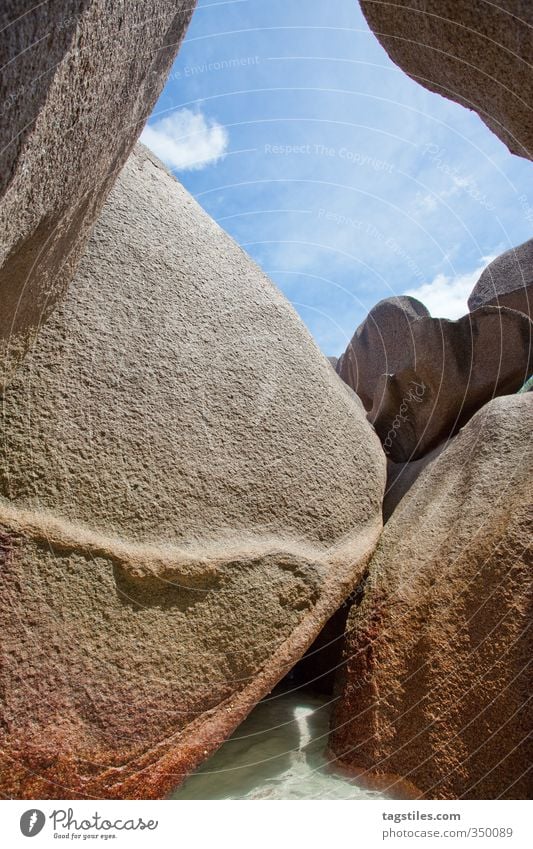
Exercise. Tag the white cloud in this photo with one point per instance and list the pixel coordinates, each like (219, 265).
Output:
(186, 140)
(446, 297)
(425, 203)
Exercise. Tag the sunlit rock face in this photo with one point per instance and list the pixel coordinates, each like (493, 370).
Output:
(460, 365)
(79, 79)
(478, 54)
(382, 344)
(507, 281)
(188, 492)
(422, 378)
(435, 684)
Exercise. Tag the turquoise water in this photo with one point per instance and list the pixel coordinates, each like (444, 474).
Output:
(277, 753)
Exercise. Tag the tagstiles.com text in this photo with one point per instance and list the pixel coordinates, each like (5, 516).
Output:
(414, 825)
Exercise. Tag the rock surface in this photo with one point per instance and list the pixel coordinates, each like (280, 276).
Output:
(79, 79)
(460, 366)
(436, 684)
(188, 493)
(507, 281)
(401, 477)
(478, 54)
(382, 344)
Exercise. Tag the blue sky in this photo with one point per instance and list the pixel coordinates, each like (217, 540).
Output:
(344, 180)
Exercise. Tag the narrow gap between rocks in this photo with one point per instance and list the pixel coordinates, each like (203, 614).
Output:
(279, 751)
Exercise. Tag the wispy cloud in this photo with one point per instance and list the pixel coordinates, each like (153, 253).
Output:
(425, 203)
(446, 296)
(428, 202)
(186, 140)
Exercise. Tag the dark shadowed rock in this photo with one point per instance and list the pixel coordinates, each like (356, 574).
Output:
(188, 493)
(79, 79)
(382, 344)
(460, 366)
(436, 690)
(476, 53)
(507, 281)
(401, 477)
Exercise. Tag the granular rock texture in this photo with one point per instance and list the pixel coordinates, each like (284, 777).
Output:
(436, 687)
(507, 281)
(382, 344)
(79, 79)
(188, 493)
(401, 477)
(476, 53)
(460, 366)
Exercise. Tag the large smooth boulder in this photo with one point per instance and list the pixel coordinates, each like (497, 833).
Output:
(460, 366)
(435, 694)
(188, 493)
(476, 53)
(79, 79)
(507, 281)
(382, 344)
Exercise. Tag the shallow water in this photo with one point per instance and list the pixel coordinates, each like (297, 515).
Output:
(277, 753)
